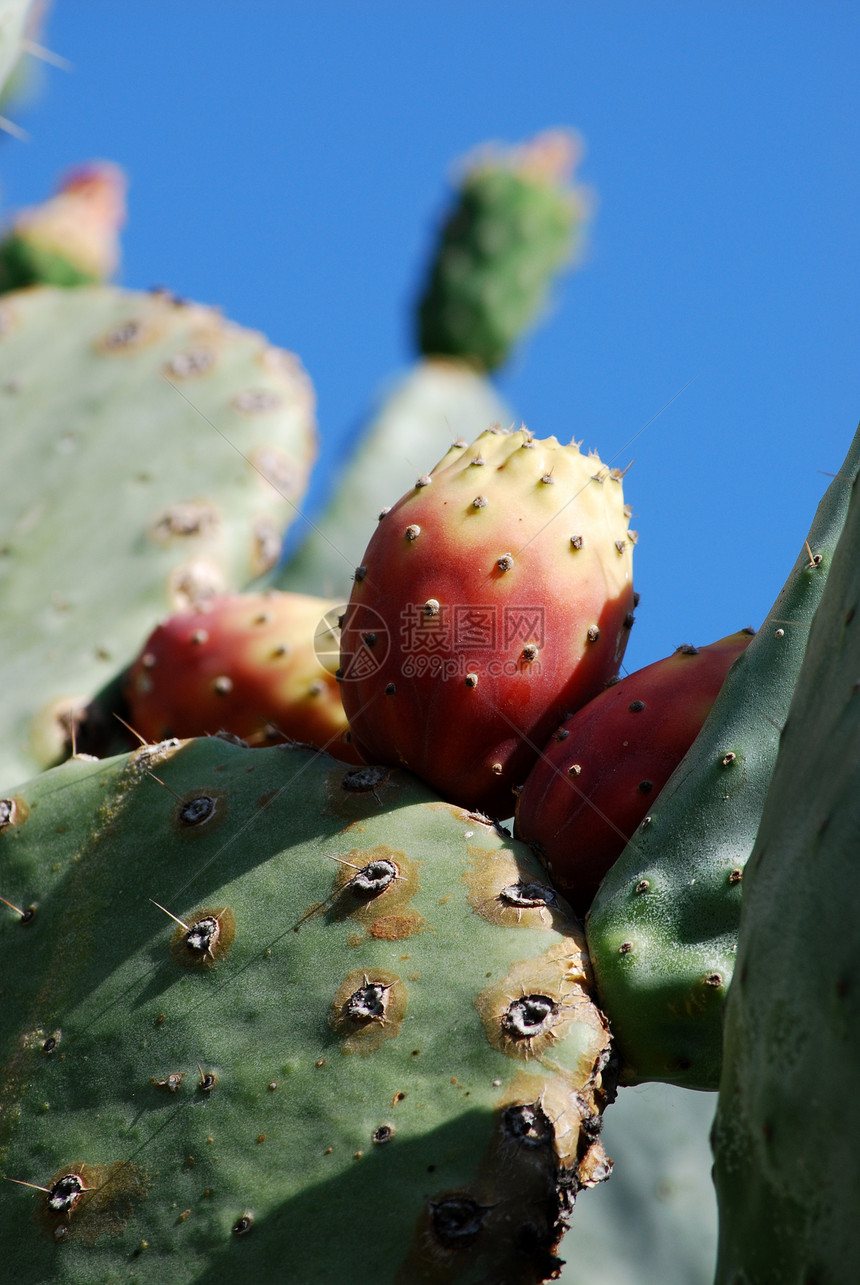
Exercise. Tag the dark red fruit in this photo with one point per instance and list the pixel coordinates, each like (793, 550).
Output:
(601, 772)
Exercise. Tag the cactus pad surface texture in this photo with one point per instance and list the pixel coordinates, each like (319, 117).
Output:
(663, 928)
(788, 1122)
(153, 454)
(366, 1052)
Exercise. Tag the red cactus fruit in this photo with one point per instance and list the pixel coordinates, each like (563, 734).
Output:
(603, 768)
(494, 597)
(257, 665)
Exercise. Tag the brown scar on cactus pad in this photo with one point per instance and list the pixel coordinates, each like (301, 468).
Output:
(13, 812)
(198, 812)
(530, 1012)
(368, 1009)
(500, 891)
(204, 938)
(544, 1149)
(89, 1201)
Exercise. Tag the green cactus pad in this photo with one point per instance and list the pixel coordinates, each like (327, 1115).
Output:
(663, 928)
(15, 18)
(418, 418)
(788, 1122)
(152, 456)
(513, 226)
(369, 1042)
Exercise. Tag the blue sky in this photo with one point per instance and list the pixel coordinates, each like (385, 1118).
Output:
(288, 162)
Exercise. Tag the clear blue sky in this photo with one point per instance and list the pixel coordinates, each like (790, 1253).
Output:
(288, 162)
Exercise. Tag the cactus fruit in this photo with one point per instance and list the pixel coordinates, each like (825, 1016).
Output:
(435, 403)
(788, 1120)
(604, 768)
(364, 1029)
(493, 597)
(515, 223)
(662, 930)
(73, 238)
(260, 666)
(158, 453)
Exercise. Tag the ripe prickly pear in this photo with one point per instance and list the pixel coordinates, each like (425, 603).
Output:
(493, 597)
(605, 766)
(249, 664)
(73, 238)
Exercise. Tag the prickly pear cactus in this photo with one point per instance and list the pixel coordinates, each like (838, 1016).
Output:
(663, 928)
(153, 455)
(355, 1028)
(514, 224)
(14, 18)
(785, 1136)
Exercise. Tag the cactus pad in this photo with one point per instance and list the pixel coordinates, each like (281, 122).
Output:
(788, 1121)
(154, 455)
(364, 1030)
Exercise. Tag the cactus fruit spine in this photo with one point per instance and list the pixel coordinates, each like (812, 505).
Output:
(127, 501)
(785, 1136)
(605, 766)
(662, 930)
(369, 991)
(493, 597)
(260, 666)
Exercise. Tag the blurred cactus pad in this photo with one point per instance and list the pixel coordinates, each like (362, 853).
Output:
(515, 222)
(153, 454)
(356, 1021)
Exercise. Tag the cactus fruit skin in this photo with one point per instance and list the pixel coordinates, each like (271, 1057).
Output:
(493, 597)
(605, 766)
(514, 224)
(232, 1109)
(71, 240)
(435, 403)
(662, 930)
(248, 664)
(788, 1119)
(128, 503)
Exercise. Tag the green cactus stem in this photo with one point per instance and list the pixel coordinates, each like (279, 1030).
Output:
(663, 928)
(788, 1122)
(514, 224)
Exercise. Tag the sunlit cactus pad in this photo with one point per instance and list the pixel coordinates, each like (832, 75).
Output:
(366, 1052)
(152, 454)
